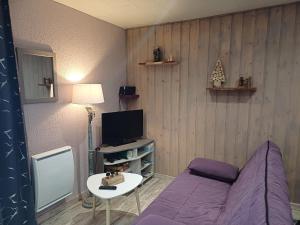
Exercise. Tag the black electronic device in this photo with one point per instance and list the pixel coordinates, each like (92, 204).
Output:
(123, 127)
(108, 187)
(127, 90)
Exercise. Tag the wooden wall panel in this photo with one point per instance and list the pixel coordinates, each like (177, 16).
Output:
(183, 92)
(259, 59)
(175, 85)
(220, 127)
(188, 121)
(294, 132)
(233, 72)
(202, 84)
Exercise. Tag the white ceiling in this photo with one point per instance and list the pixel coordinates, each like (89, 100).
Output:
(135, 13)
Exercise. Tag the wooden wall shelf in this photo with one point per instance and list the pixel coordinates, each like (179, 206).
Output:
(158, 63)
(128, 97)
(234, 89)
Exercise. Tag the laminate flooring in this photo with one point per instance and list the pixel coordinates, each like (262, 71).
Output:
(124, 208)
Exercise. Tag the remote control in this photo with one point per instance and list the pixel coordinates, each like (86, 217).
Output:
(108, 187)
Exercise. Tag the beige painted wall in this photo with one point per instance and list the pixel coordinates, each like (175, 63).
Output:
(85, 47)
(187, 120)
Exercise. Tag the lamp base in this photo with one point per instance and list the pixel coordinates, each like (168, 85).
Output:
(88, 201)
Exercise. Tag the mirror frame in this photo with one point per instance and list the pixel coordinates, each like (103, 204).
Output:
(20, 53)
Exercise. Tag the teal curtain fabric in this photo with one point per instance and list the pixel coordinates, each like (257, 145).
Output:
(16, 195)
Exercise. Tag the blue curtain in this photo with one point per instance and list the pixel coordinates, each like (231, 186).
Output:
(16, 196)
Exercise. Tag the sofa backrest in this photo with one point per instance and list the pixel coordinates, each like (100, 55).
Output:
(260, 194)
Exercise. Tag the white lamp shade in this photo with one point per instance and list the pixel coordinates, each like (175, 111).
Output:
(87, 94)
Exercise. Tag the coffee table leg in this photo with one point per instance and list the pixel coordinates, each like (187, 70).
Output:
(137, 200)
(108, 212)
(94, 206)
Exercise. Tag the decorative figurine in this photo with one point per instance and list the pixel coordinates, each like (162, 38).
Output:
(170, 59)
(241, 82)
(157, 54)
(112, 178)
(245, 82)
(217, 76)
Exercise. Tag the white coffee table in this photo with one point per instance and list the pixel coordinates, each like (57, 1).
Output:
(132, 181)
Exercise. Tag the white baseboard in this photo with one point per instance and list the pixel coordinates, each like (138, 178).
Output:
(295, 211)
(295, 206)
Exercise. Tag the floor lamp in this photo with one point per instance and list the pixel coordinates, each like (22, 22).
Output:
(88, 94)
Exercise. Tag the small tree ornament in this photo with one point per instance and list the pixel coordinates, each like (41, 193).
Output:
(217, 76)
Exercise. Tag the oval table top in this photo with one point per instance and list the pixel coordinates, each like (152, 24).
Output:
(132, 180)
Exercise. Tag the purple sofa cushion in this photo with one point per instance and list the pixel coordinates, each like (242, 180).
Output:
(214, 170)
(277, 195)
(158, 220)
(260, 194)
(189, 199)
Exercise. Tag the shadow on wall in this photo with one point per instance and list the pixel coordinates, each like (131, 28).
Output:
(20, 43)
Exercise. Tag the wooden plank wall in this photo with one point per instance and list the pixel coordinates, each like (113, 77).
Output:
(187, 121)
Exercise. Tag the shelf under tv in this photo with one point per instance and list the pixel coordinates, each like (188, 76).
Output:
(137, 144)
(127, 160)
(142, 164)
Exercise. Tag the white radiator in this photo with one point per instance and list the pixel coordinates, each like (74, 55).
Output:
(53, 174)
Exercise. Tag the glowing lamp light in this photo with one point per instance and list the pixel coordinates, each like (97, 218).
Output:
(75, 76)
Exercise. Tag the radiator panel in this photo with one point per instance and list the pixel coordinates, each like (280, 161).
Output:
(53, 173)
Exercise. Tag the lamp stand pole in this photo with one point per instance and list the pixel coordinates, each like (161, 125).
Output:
(88, 199)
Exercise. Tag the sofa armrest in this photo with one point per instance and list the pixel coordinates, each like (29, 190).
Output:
(157, 220)
(213, 169)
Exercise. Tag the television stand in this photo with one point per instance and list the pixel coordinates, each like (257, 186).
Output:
(123, 142)
(135, 157)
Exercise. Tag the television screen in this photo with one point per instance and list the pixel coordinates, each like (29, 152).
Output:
(122, 127)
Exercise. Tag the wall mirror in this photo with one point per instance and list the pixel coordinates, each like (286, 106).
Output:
(37, 76)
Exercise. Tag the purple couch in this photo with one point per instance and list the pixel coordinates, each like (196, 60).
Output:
(258, 197)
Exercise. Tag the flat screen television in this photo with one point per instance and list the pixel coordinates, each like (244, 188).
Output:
(123, 127)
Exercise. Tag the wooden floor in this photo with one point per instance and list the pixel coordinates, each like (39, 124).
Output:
(296, 212)
(125, 208)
